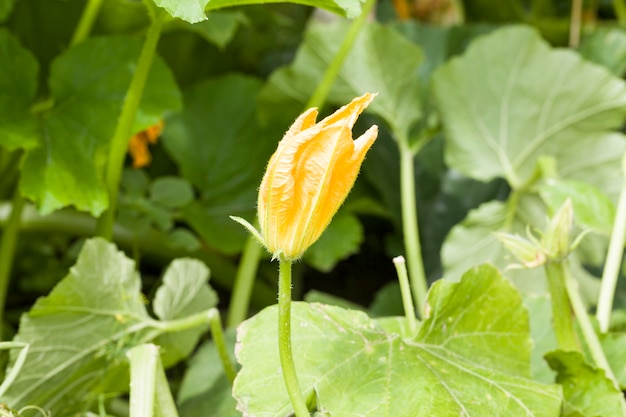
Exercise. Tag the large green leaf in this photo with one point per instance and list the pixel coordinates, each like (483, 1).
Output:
(587, 391)
(88, 84)
(78, 335)
(18, 86)
(220, 147)
(194, 10)
(505, 107)
(381, 61)
(471, 357)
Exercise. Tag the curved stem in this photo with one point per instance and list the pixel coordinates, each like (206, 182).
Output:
(323, 88)
(86, 21)
(612, 264)
(218, 338)
(284, 339)
(7, 250)
(410, 227)
(561, 310)
(244, 281)
(123, 131)
(591, 338)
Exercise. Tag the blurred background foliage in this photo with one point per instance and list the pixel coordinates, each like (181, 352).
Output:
(229, 105)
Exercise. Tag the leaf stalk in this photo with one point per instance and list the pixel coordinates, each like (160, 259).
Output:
(124, 128)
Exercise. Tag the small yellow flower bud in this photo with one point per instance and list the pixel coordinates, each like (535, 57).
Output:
(308, 178)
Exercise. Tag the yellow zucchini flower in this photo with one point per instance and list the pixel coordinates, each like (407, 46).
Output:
(308, 178)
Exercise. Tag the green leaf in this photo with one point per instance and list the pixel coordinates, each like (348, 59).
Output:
(220, 28)
(586, 389)
(606, 46)
(171, 192)
(381, 61)
(80, 332)
(6, 7)
(191, 11)
(18, 87)
(205, 390)
(346, 8)
(471, 357)
(592, 209)
(184, 239)
(184, 291)
(505, 107)
(221, 149)
(88, 84)
(342, 238)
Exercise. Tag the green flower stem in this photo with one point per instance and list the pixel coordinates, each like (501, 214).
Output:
(410, 227)
(589, 334)
(575, 23)
(7, 251)
(591, 338)
(323, 88)
(124, 129)
(613, 263)
(284, 339)
(86, 21)
(17, 367)
(405, 289)
(561, 311)
(218, 338)
(244, 281)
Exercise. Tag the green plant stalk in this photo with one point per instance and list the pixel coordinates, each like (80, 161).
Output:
(7, 251)
(575, 23)
(619, 6)
(218, 338)
(589, 334)
(87, 19)
(612, 264)
(405, 289)
(561, 311)
(323, 88)
(591, 339)
(410, 227)
(210, 317)
(284, 339)
(244, 282)
(124, 128)
(143, 366)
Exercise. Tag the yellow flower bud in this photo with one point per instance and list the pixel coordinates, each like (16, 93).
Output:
(309, 177)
